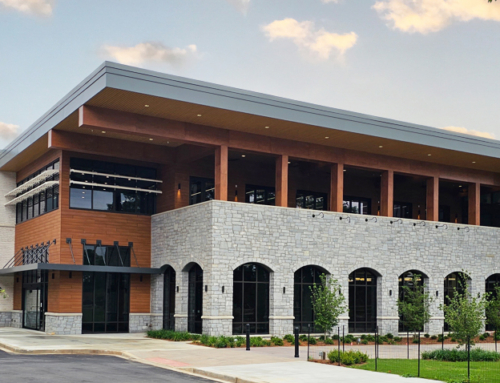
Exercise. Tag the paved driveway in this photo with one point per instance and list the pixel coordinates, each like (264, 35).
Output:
(83, 368)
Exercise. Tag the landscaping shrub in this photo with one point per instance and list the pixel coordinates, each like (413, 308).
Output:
(240, 341)
(328, 341)
(398, 339)
(266, 342)
(427, 336)
(303, 338)
(455, 355)
(440, 338)
(347, 358)
(171, 335)
(363, 336)
(256, 342)
(486, 335)
(312, 341)
(481, 337)
(434, 337)
(289, 338)
(277, 341)
(335, 337)
(370, 338)
(497, 336)
(383, 338)
(416, 340)
(379, 341)
(389, 336)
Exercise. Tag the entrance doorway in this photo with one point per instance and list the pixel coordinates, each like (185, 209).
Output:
(195, 300)
(106, 303)
(169, 299)
(35, 299)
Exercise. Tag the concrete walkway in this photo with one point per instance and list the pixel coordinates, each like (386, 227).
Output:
(272, 364)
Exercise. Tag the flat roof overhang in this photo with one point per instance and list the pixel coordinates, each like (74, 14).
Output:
(124, 88)
(80, 268)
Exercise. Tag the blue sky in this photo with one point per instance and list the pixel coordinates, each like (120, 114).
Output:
(431, 62)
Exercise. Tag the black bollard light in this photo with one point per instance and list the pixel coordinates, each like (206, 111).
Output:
(296, 342)
(248, 337)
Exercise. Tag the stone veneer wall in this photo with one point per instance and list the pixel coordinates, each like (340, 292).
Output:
(7, 239)
(12, 318)
(145, 322)
(221, 236)
(63, 324)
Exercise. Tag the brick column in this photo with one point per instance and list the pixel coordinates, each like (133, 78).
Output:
(432, 201)
(337, 187)
(387, 194)
(474, 204)
(282, 181)
(221, 170)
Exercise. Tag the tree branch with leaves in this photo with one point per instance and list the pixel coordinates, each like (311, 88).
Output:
(328, 303)
(414, 307)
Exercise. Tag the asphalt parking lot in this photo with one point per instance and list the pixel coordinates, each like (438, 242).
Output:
(83, 368)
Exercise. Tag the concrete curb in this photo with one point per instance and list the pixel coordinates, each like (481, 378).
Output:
(222, 377)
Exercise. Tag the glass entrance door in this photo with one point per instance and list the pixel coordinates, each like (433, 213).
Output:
(106, 302)
(34, 299)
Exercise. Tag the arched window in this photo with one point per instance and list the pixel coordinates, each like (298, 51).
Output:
(303, 311)
(362, 301)
(491, 283)
(251, 299)
(195, 299)
(407, 279)
(169, 299)
(454, 283)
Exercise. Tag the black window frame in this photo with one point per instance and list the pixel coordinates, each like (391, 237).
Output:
(301, 294)
(206, 192)
(118, 169)
(399, 207)
(351, 199)
(368, 323)
(304, 194)
(25, 211)
(404, 280)
(269, 194)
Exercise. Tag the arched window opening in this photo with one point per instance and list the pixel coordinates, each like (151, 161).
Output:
(195, 299)
(303, 312)
(362, 301)
(251, 299)
(408, 279)
(169, 299)
(491, 283)
(454, 283)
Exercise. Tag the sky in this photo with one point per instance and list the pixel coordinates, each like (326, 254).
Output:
(429, 62)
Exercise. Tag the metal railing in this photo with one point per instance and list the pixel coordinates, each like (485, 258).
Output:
(29, 255)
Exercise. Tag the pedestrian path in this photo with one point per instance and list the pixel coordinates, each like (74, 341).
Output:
(260, 365)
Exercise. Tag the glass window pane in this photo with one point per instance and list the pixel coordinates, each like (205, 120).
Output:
(103, 200)
(249, 301)
(79, 198)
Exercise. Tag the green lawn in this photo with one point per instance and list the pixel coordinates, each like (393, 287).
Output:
(456, 372)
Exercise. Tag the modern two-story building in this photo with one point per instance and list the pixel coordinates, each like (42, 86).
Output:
(143, 200)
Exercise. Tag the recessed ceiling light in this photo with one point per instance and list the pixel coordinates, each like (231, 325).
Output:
(459, 186)
(429, 155)
(147, 106)
(150, 139)
(473, 162)
(103, 131)
(327, 138)
(243, 155)
(267, 127)
(345, 170)
(199, 115)
(380, 146)
(168, 142)
(289, 162)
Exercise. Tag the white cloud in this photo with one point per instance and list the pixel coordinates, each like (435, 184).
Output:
(476, 133)
(425, 16)
(8, 131)
(240, 5)
(150, 52)
(305, 36)
(35, 7)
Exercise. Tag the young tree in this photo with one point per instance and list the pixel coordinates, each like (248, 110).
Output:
(328, 303)
(414, 307)
(493, 309)
(464, 314)
(2, 292)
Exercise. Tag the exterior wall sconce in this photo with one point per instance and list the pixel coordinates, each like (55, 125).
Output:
(70, 275)
(348, 219)
(17, 279)
(222, 289)
(400, 221)
(445, 226)
(140, 278)
(177, 288)
(179, 187)
(206, 288)
(420, 223)
(437, 293)
(374, 219)
(284, 290)
(390, 293)
(53, 276)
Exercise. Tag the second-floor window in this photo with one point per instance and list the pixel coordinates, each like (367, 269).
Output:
(201, 190)
(105, 186)
(263, 195)
(311, 200)
(357, 205)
